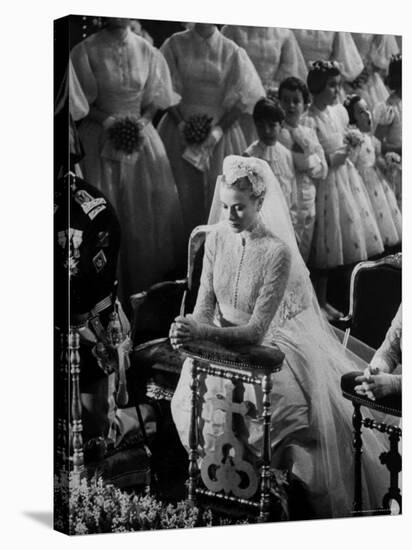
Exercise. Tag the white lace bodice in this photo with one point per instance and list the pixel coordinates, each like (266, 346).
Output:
(243, 282)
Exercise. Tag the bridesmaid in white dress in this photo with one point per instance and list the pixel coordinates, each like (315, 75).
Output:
(345, 229)
(333, 46)
(215, 77)
(254, 289)
(122, 74)
(376, 51)
(275, 54)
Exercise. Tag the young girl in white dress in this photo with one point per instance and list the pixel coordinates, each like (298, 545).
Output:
(255, 289)
(214, 77)
(345, 230)
(388, 119)
(308, 158)
(122, 75)
(369, 162)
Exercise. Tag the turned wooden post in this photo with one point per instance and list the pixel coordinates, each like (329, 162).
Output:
(76, 404)
(60, 407)
(393, 461)
(193, 453)
(357, 445)
(264, 505)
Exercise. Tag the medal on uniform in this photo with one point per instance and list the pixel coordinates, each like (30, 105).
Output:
(99, 261)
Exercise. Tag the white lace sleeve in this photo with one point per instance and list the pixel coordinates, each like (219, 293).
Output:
(270, 296)
(204, 311)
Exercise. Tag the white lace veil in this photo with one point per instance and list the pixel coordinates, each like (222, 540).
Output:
(313, 353)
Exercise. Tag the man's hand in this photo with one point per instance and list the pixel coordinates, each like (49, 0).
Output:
(375, 386)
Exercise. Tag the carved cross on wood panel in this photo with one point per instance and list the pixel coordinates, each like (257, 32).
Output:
(223, 468)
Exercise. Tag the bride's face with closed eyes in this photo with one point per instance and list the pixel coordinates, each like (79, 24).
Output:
(240, 208)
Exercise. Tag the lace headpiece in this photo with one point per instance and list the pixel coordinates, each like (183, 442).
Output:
(235, 167)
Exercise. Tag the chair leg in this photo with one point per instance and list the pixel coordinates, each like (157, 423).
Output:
(193, 453)
(393, 461)
(264, 505)
(357, 445)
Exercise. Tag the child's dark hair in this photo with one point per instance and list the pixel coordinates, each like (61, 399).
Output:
(267, 109)
(394, 78)
(349, 104)
(292, 83)
(319, 74)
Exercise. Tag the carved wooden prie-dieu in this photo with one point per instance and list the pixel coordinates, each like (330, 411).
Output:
(223, 468)
(219, 469)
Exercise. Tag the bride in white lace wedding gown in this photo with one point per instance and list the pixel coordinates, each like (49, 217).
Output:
(255, 289)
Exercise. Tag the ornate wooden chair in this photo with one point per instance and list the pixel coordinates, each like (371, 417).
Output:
(375, 295)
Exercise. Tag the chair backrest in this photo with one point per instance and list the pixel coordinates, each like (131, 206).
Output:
(375, 295)
(155, 309)
(194, 266)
